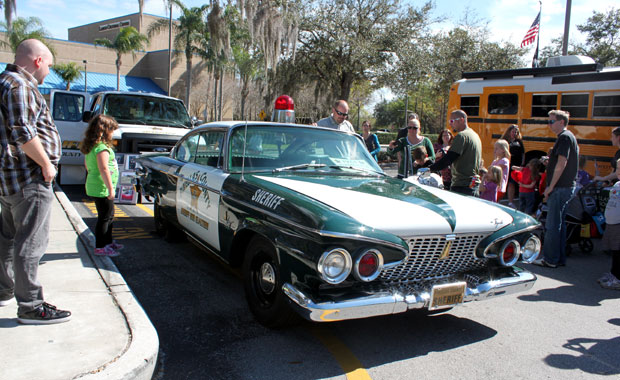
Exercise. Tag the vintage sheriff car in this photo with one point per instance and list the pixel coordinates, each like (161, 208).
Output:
(318, 228)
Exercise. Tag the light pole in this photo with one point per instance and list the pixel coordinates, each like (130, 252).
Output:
(85, 76)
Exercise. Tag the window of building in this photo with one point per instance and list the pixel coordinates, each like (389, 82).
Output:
(575, 104)
(471, 105)
(543, 103)
(606, 105)
(503, 104)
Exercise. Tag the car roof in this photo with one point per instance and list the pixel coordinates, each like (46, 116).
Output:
(137, 93)
(233, 124)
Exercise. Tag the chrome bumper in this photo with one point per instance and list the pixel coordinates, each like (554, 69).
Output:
(395, 301)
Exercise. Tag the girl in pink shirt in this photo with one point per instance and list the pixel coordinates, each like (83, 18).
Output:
(502, 160)
(490, 183)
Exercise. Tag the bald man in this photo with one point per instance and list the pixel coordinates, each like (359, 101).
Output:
(29, 154)
(338, 118)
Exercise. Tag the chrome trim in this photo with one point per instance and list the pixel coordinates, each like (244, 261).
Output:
(322, 233)
(395, 300)
(538, 245)
(348, 263)
(528, 229)
(517, 253)
(356, 267)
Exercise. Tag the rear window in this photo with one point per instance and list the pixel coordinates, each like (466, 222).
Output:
(471, 105)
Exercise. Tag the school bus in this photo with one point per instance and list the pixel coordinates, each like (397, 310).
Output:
(493, 100)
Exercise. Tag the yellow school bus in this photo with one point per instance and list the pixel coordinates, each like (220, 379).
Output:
(493, 100)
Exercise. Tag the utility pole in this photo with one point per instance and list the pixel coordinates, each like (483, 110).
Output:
(566, 28)
(170, 48)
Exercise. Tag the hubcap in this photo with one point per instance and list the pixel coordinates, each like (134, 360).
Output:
(267, 278)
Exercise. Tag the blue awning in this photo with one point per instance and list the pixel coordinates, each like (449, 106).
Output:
(98, 82)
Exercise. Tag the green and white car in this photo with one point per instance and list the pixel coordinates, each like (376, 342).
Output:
(320, 230)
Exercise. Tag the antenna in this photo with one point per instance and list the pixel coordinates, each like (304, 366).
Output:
(245, 141)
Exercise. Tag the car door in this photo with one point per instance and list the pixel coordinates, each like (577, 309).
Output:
(199, 187)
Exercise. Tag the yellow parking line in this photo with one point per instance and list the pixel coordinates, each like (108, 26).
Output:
(353, 368)
(143, 207)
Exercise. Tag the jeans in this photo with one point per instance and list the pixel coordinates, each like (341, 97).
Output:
(24, 234)
(526, 202)
(105, 221)
(554, 248)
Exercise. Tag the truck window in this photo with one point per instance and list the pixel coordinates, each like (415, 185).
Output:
(542, 104)
(575, 104)
(146, 110)
(471, 105)
(606, 105)
(68, 107)
(503, 104)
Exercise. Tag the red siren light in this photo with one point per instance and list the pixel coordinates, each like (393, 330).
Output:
(285, 102)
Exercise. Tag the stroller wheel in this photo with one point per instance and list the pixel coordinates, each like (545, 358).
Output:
(586, 245)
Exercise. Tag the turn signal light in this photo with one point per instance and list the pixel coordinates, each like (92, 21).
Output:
(368, 265)
(509, 253)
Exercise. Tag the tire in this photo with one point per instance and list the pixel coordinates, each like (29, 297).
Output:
(163, 227)
(262, 282)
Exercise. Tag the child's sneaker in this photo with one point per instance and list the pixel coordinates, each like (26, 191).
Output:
(612, 283)
(115, 246)
(106, 251)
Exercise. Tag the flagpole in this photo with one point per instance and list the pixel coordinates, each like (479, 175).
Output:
(566, 28)
(535, 59)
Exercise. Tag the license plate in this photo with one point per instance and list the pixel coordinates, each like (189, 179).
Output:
(447, 295)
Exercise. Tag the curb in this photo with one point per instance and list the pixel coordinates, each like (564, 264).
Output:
(140, 356)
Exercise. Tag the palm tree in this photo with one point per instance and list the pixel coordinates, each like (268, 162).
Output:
(127, 40)
(69, 72)
(141, 10)
(23, 29)
(10, 8)
(188, 30)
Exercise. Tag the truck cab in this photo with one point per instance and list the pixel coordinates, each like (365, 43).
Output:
(148, 122)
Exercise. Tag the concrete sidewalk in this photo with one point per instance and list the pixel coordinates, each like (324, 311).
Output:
(109, 336)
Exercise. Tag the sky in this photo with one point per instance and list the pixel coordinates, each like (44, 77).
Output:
(508, 20)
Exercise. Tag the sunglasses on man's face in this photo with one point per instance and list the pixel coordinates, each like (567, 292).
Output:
(453, 120)
(342, 113)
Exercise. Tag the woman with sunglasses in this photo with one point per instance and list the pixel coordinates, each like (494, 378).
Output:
(517, 158)
(407, 144)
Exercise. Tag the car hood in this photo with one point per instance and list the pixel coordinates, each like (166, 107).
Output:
(398, 207)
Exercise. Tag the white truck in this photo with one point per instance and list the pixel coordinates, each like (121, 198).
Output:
(148, 122)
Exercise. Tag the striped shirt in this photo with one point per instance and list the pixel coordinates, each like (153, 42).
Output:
(24, 114)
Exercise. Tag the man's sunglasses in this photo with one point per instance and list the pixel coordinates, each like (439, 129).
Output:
(453, 120)
(342, 113)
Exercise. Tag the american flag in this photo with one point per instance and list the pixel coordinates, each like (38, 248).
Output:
(531, 34)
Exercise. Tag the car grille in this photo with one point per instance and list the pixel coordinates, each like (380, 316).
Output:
(423, 261)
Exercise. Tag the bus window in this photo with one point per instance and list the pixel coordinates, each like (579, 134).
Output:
(575, 104)
(606, 105)
(542, 104)
(471, 105)
(503, 104)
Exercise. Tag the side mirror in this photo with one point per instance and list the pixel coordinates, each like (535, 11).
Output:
(196, 121)
(86, 116)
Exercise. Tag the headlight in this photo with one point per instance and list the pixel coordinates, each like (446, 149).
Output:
(368, 265)
(531, 249)
(335, 265)
(509, 253)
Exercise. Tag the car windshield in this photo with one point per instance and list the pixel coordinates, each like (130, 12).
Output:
(286, 148)
(146, 110)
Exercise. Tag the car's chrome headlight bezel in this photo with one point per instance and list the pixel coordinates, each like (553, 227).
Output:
(327, 258)
(375, 274)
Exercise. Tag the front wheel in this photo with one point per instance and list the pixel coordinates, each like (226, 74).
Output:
(262, 281)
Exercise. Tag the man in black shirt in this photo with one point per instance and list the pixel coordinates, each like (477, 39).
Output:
(561, 174)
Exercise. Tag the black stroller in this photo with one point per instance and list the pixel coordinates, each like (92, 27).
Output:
(580, 210)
